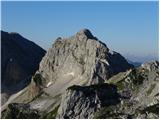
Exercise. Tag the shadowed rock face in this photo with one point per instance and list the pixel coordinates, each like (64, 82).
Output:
(20, 59)
(16, 111)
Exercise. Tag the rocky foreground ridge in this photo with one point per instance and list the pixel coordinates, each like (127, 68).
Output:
(80, 77)
(131, 94)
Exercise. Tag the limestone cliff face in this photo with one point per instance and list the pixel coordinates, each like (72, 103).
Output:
(82, 58)
(20, 59)
(82, 102)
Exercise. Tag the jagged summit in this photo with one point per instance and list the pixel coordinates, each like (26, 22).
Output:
(81, 37)
(85, 33)
(81, 57)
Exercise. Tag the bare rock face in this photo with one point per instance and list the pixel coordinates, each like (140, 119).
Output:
(139, 91)
(82, 102)
(20, 59)
(83, 58)
(16, 111)
(133, 94)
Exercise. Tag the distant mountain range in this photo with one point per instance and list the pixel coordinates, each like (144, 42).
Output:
(141, 59)
(136, 64)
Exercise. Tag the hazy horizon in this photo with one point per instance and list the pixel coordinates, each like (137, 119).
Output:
(130, 28)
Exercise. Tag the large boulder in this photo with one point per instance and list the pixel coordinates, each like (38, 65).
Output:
(17, 111)
(82, 102)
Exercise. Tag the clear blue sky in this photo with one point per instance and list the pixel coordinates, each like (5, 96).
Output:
(130, 28)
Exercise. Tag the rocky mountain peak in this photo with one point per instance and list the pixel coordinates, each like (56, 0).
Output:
(85, 33)
(80, 59)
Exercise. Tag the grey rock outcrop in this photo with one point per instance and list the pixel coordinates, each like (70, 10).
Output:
(83, 102)
(139, 91)
(132, 94)
(20, 60)
(16, 111)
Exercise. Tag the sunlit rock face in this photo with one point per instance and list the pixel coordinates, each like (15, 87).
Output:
(81, 58)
